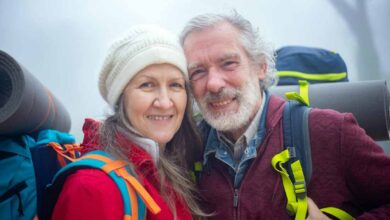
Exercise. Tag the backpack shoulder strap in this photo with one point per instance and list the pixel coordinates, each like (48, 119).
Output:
(135, 198)
(296, 135)
(290, 161)
(294, 162)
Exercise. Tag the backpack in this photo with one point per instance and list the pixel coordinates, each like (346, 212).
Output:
(297, 65)
(294, 162)
(28, 164)
(315, 65)
(42, 165)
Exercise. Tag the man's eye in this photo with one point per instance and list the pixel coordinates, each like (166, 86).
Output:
(197, 74)
(230, 64)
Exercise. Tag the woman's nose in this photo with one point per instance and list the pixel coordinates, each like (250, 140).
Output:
(163, 100)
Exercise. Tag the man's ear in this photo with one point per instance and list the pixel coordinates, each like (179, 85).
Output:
(261, 70)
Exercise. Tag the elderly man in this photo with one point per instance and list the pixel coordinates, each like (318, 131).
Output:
(230, 68)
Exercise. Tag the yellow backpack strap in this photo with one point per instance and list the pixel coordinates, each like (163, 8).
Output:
(295, 192)
(315, 77)
(303, 96)
(338, 213)
(198, 167)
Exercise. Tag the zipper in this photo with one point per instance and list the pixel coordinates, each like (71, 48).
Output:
(235, 204)
(235, 198)
(235, 194)
(15, 190)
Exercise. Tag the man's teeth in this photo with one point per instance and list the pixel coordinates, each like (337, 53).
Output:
(159, 118)
(217, 104)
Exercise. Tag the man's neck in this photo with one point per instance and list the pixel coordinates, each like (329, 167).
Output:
(233, 135)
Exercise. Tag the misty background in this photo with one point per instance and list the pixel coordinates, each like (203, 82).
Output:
(63, 42)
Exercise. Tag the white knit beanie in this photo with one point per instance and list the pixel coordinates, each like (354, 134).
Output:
(142, 46)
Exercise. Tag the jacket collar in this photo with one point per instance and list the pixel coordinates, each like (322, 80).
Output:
(270, 116)
(138, 156)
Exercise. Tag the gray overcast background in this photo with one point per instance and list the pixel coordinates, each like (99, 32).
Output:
(63, 42)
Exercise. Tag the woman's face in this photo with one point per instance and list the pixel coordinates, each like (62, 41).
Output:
(155, 102)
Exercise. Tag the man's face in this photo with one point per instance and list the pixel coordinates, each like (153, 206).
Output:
(224, 81)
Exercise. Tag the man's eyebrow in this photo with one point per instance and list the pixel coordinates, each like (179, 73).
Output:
(193, 66)
(224, 57)
(229, 56)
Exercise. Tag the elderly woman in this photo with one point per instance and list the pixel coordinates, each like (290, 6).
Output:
(144, 80)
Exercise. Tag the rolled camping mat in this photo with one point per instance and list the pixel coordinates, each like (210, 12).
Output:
(367, 100)
(27, 106)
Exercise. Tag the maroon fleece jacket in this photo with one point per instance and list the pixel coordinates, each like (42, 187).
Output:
(350, 171)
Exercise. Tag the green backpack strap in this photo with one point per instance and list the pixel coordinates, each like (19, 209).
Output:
(294, 162)
(338, 213)
(197, 169)
(296, 191)
(303, 96)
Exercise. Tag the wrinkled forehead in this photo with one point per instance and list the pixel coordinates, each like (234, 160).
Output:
(219, 58)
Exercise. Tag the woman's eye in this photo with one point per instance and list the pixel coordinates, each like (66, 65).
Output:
(146, 85)
(177, 85)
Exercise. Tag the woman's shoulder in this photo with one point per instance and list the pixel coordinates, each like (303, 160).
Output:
(92, 183)
(96, 196)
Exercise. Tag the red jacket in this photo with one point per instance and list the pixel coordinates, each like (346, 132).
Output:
(91, 194)
(350, 171)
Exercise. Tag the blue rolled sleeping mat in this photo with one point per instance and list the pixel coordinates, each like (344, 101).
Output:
(27, 106)
(367, 100)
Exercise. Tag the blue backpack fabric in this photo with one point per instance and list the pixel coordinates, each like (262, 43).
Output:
(27, 165)
(32, 175)
(315, 65)
(17, 180)
(45, 161)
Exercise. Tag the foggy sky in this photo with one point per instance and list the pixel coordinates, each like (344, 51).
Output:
(63, 43)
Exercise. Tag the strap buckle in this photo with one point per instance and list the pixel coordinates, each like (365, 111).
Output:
(300, 189)
(292, 153)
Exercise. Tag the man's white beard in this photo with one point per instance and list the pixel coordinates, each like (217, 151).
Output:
(247, 97)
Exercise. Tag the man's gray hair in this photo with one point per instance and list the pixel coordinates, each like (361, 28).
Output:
(258, 50)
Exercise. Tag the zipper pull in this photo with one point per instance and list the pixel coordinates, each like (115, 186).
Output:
(235, 198)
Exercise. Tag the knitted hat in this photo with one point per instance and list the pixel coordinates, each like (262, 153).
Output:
(142, 46)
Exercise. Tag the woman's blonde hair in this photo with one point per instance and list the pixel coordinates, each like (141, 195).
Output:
(174, 164)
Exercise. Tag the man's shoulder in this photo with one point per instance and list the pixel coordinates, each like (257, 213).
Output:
(328, 124)
(321, 116)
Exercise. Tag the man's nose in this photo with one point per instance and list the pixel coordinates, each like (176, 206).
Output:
(215, 81)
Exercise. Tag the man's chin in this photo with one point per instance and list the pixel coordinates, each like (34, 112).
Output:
(225, 122)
